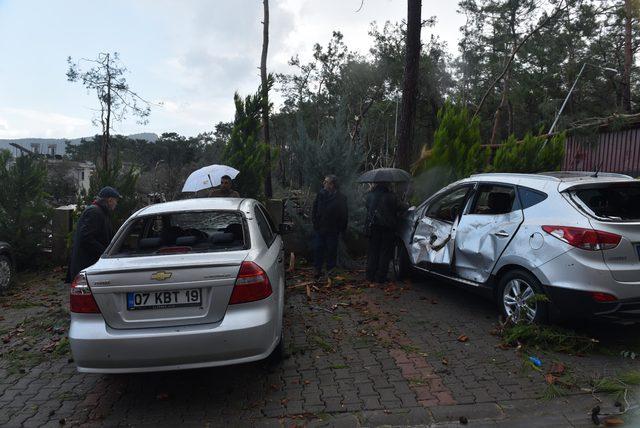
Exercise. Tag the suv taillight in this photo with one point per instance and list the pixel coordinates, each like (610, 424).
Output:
(252, 284)
(587, 239)
(80, 297)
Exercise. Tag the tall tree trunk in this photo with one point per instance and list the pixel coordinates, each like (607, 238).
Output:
(106, 131)
(268, 189)
(409, 83)
(504, 100)
(628, 57)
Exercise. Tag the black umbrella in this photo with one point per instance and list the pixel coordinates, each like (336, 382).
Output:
(385, 175)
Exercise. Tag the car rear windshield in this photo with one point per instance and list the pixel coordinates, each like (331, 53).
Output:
(183, 232)
(614, 202)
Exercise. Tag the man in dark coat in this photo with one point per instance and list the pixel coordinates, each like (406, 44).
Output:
(383, 210)
(93, 232)
(330, 215)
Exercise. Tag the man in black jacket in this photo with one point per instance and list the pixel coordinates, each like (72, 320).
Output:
(383, 209)
(93, 232)
(330, 216)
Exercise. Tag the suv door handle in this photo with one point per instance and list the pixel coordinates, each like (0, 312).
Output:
(502, 234)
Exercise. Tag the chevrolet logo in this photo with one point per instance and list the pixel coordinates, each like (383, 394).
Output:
(161, 276)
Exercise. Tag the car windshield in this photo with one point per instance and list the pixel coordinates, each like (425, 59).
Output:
(619, 202)
(182, 232)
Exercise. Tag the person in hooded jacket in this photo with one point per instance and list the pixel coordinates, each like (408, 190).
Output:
(383, 212)
(93, 232)
(330, 216)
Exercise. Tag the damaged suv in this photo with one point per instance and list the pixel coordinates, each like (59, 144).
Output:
(573, 237)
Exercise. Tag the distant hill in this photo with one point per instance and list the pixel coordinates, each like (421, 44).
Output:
(45, 145)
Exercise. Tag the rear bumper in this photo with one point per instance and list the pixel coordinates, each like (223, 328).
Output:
(579, 304)
(248, 332)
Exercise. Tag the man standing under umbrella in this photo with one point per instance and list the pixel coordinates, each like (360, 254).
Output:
(383, 209)
(330, 216)
(225, 190)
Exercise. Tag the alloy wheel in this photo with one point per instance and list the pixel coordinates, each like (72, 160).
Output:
(518, 301)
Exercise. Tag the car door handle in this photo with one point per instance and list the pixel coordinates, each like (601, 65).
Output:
(502, 234)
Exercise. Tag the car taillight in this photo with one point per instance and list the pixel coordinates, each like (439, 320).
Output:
(603, 297)
(80, 297)
(251, 284)
(587, 239)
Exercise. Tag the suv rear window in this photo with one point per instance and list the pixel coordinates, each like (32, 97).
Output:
(183, 232)
(615, 202)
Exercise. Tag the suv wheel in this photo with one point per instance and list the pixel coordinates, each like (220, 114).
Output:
(519, 297)
(401, 263)
(6, 272)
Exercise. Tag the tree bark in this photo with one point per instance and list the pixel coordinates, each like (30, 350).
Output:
(409, 83)
(628, 57)
(268, 189)
(106, 134)
(504, 100)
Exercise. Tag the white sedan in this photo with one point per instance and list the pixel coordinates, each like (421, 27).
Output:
(184, 284)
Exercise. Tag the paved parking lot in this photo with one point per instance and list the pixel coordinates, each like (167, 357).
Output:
(421, 353)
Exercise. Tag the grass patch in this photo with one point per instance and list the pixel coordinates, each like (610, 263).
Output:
(338, 366)
(549, 338)
(321, 343)
(410, 349)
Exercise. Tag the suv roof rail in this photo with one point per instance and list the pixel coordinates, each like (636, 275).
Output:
(579, 174)
(515, 174)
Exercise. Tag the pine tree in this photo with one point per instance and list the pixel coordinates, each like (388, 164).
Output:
(245, 152)
(24, 213)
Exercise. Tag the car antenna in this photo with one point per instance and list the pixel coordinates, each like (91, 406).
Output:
(595, 174)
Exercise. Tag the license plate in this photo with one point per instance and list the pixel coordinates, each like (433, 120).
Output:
(164, 299)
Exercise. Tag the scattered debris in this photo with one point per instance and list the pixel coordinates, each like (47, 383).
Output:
(463, 420)
(536, 361)
(463, 338)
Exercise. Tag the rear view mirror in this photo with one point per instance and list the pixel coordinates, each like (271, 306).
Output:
(285, 228)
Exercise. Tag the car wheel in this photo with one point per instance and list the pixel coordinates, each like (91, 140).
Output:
(401, 263)
(519, 297)
(6, 272)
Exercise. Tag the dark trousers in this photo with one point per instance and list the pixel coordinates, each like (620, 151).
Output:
(379, 252)
(325, 247)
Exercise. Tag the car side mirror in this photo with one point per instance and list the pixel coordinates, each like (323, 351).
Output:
(285, 228)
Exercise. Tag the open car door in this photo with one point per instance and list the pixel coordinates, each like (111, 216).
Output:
(433, 240)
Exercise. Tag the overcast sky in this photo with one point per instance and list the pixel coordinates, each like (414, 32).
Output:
(191, 55)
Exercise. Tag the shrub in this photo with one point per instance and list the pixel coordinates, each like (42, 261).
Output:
(24, 214)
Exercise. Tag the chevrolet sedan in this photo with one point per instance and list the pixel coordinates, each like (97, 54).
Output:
(184, 284)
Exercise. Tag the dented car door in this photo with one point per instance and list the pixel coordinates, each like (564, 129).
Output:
(433, 240)
(485, 231)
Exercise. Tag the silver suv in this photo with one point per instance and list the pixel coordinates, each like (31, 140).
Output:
(573, 237)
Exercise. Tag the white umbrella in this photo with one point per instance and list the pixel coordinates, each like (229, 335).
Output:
(208, 176)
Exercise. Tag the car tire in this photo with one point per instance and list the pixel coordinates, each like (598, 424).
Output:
(514, 292)
(401, 263)
(6, 272)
